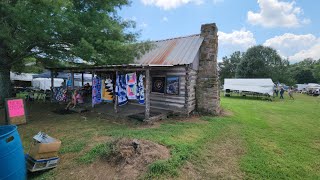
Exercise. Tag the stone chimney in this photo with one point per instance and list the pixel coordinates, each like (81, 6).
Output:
(207, 89)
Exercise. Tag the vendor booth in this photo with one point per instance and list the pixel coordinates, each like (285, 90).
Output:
(45, 83)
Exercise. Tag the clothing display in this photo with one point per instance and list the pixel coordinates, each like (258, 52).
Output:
(96, 90)
(121, 90)
(107, 90)
(140, 89)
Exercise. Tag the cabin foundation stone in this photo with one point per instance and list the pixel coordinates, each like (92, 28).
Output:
(207, 90)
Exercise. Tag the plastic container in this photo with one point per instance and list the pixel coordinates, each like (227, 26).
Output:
(12, 160)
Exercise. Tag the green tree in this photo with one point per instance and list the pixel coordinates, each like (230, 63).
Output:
(303, 68)
(228, 66)
(316, 72)
(63, 30)
(262, 62)
(305, 76)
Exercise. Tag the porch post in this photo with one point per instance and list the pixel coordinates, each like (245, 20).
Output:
(82, 79)
(147, 95)
(92, 76)
(115, 93)
(72, 80)
(52, 85)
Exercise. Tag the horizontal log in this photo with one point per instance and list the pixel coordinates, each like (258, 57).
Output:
(165, 105)
(155, 96)
(179, 102)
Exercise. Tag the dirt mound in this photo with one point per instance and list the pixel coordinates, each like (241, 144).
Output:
(128, 160)
(131, 157)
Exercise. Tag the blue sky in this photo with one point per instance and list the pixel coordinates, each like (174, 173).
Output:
(291, 27)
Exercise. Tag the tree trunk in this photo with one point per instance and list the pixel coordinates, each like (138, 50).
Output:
(5, 84)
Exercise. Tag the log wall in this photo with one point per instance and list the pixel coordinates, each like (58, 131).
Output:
(185, 101)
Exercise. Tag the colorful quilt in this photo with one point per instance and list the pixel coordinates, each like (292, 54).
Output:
(58, 94)
(121, 90)
(96, 90)
(107, 90)
(140, 89)
(131, 80)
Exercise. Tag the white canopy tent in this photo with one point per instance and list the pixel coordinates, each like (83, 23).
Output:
(301, 87)
(45, 83)
(263, 86)
(21, 77)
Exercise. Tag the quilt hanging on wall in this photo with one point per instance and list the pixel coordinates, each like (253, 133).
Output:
(172, 86)
(158, 84)
(96, 90)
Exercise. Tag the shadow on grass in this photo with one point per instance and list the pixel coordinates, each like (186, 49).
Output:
(255, 98)
(45, 174)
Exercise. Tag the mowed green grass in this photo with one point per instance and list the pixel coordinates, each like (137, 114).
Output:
(281, 139)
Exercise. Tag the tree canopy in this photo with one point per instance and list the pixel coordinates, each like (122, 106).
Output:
(228, 66)
(52, 31)
(264, 62)
(261, 62)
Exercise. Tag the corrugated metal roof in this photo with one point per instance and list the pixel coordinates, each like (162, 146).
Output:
(177, 51)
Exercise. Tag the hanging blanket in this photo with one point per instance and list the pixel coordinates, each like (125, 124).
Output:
(131, 80)
(107, 90)
(121, 90)
(140, 89)
(96, 90)
(59, 95)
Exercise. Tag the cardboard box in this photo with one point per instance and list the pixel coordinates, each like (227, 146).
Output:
(42, 164)
(44, 146)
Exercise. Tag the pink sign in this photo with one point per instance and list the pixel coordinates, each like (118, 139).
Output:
(15, 107)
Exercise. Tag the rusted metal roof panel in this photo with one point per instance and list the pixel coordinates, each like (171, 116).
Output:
(177, 51)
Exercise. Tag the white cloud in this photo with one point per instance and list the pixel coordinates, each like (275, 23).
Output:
(288, 44)
(312, 52)
(276, 13)
(296, 47)
(170, 4)
(165, 19)
(236, 41)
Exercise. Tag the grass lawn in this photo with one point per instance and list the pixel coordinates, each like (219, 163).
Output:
(257, 140)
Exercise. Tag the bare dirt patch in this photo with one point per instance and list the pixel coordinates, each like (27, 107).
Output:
(226, 113)
(219, 159)
(157, 124)
(129, 160)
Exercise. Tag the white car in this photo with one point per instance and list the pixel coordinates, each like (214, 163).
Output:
(316, 92)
